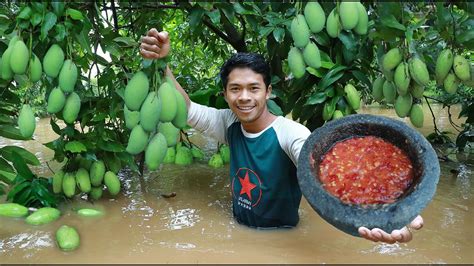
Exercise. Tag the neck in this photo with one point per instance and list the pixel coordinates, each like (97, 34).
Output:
(260, 124)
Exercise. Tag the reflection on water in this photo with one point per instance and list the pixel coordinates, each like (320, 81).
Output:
(196, 226)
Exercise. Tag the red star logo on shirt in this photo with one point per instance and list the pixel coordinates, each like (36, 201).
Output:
(247, 186)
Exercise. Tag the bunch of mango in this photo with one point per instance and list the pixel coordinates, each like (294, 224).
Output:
(402, 83)
(183, 154)
(154, 117)
(451, 69)
(333, 111)
(89, 178)
(16, 60)
(347, 16)
(221, 157)
(67, 237)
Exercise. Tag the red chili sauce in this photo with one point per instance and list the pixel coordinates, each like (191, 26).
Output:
(366, 170)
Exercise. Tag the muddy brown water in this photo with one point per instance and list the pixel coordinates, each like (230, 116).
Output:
(196, 226)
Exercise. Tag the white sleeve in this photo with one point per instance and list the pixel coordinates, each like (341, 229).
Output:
(292, 136)
(211, 121)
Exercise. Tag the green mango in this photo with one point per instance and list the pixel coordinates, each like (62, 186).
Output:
(53, 61)
(377, 88)
(299, 31)
(333, 26)
(83, 180)
(403, 105)
(315, 16)
(180, 120)
(137, 141)
(416, 115)
(296, 62)
(69, 185)
(461, 67)
(20, 56)
(13, 210)
(67, 238)
(26, 121)
(56, 101)
(155, 151)
(391, 59)
(363, 21)
(112, 183)
(136, 91)
(168, 101)
(43, 216)
(183, 156)
(35, 68)
(349, 14)
(71, 108)
(402, 78)
(68, 76)
(58, 181)
(311, 55)
(150, 112)
(96, 173)
(216, 161)
(170, 156)
(170, 132)
(444, 62)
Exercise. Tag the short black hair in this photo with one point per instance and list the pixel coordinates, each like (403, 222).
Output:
(255, 62)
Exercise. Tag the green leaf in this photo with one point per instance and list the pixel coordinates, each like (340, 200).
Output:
(332, 76)
(391, 22)
(314, 72)
(215, 16)
(58, 7)
(19, 162)
(8, 151)
(48, 23)
(60, 32)
(83, 39)
(55, 127)
(127, 41)
(315, 98)
(25, 13)
(5, 166)
(36, 19)
(274, 108)
(362, 78)
(7, 177)
(74, 14)
(11, 132)
(264, 31)
(75, 147)
(327, 65)
(195, 17)
(279, 34)
(466, 36)
(17, 189)
(111, 146)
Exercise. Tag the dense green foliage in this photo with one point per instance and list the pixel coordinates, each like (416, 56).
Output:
(102, 39)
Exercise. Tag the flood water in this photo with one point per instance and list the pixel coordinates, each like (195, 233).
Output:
(196, 226)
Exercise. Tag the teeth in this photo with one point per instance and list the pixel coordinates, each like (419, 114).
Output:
(245, 108)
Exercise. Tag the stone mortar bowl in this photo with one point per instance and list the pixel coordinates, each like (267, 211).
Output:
(390, 216)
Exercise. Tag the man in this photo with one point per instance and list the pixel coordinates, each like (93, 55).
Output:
(264, 147)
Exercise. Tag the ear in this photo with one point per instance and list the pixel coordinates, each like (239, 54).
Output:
(225, 95)
(269, 92)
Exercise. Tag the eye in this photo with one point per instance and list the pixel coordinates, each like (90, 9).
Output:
(255, 88)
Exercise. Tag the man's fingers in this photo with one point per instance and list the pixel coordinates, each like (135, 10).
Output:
(150, 48)
(153, 33)
(149, 40)
(417, 223)
(149, 55)
(365, 233)
(162, 36)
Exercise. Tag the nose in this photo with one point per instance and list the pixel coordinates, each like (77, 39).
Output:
(244, 95)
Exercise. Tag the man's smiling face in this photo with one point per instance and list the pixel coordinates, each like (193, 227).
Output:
(246, 94)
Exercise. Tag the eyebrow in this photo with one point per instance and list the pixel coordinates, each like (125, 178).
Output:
(238, 84)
